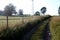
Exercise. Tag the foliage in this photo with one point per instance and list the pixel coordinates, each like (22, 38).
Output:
(9, 9)
(59, 11)
(1, 12)
(20, 12)
(43, 10)
(16, 33)
(37, 13)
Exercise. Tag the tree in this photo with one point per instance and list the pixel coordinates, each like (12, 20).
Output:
(43, 10)
(14, 12)
(59, 11)
(8, 10)
(20, 12)
(37, 13)
(1, 12)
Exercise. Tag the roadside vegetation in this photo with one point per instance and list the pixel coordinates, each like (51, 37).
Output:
(17, 25)
(39, 33)
(55, 28)
(17, 30)
(16, 21)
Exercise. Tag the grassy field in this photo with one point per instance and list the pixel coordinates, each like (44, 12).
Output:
(55, 28)
(16, 21)
(37, 35)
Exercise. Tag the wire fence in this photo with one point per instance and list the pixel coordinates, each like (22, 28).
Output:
(14, 21)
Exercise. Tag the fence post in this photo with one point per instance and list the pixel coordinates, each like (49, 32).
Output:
(22, 19)
(7, 22)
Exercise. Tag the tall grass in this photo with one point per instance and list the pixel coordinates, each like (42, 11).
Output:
(20, 29)
(15, 21)
(55, 28)
(16, 32)
(38, 34)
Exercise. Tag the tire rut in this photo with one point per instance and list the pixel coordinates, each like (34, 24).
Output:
(27, 35)
(46, 33)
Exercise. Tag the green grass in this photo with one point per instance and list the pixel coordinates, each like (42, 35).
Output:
(38, 34)
(55, 28)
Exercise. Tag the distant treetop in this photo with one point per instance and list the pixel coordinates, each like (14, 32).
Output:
(43, 10)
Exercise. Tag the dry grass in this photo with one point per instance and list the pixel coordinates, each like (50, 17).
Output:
(16, 21)
(55, 28)
(19, 31)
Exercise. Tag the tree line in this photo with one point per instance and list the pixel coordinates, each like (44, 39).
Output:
(11, 9)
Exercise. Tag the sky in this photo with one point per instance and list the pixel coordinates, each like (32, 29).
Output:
(51, 5)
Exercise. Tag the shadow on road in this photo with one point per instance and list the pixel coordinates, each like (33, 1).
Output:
(28, 32)
(46, 33)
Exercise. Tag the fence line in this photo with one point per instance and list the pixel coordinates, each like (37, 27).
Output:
(14, 21)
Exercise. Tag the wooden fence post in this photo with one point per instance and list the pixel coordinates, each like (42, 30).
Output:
(7, 22)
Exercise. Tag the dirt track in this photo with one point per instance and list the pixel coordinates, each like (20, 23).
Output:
(28, 33)
(46, 33)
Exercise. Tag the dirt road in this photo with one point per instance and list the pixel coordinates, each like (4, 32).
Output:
(28, 33)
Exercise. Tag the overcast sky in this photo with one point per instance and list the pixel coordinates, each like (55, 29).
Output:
(26, 5)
